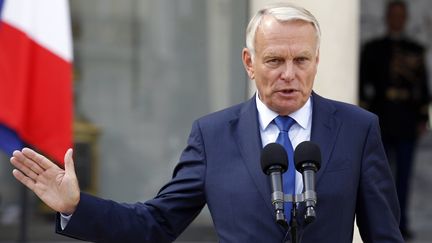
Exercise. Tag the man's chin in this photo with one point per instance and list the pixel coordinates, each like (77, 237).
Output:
(286, 109)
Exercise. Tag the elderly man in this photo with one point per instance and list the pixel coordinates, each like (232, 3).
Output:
(220, 164)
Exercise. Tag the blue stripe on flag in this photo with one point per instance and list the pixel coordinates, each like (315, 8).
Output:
(1, 6)
(9, 140)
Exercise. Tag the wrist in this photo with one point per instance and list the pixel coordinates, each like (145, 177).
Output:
(70, 209)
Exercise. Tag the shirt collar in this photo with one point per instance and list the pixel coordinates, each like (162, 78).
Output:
(266, 116)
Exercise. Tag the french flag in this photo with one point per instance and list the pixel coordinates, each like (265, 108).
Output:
(36, 100)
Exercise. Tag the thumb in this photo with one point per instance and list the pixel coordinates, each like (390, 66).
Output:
(68, 161)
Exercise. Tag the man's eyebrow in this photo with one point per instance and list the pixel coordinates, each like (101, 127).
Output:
(305, 54)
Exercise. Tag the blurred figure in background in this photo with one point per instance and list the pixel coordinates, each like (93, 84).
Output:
(393, 84)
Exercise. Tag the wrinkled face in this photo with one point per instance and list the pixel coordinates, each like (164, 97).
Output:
(284, 64)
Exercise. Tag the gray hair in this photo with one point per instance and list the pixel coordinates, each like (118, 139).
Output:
(283, 12)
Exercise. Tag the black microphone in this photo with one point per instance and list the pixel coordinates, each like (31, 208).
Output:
(274, 162)
(307, 158)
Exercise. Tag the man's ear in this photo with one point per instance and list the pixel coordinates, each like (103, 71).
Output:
(247, 62)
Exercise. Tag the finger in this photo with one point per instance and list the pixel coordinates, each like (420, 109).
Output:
(23, 168)
(23, 179)
(41, 160)
(69, 163)
(27, 162)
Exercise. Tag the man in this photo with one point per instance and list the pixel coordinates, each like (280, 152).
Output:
(394, 85)
(220, 165)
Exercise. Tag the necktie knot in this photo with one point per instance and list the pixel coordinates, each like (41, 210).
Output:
(284, 123)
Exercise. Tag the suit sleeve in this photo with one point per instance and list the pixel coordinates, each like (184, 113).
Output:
(161, 219)
(377, 207)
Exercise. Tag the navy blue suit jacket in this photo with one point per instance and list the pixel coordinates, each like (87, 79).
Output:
(221, 167)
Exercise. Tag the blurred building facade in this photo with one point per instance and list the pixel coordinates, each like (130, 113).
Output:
(145, 69)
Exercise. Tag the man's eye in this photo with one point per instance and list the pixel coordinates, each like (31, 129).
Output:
(301, 60)
(274, 61)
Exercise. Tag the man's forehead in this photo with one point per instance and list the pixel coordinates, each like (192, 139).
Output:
(278, 52)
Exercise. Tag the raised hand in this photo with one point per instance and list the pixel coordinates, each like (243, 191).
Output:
(56, 187)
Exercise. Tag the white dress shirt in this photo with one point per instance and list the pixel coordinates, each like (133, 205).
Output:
(299, 132)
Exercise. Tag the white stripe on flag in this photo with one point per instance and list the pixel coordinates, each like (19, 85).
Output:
(45, 21)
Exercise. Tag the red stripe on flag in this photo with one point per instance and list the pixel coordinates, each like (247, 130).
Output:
(35, 93)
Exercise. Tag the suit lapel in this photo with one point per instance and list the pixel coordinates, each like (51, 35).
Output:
(325, 128)
(246, 133)
(245, 129)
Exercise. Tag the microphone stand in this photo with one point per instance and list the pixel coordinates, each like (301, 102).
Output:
(293, 224)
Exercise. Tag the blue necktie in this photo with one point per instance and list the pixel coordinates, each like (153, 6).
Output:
(284, 123)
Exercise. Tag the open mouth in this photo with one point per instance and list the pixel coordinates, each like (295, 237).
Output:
(287, 91)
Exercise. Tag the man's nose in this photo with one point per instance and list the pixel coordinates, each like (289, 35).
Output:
(288, 72)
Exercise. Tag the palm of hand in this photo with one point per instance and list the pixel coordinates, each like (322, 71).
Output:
(56, 187)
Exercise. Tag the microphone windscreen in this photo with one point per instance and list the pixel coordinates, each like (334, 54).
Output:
(307, 151)
(274, 154)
